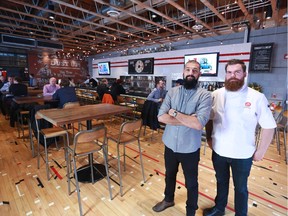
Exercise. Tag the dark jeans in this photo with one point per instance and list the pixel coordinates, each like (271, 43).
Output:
(189, 163)
(240, 172)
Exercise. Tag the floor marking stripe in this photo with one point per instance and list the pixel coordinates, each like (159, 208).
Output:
(56, 173)
(143, 154)
(19, 193)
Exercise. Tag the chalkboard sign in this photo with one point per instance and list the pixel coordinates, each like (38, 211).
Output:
(260, 59)
(141, 66)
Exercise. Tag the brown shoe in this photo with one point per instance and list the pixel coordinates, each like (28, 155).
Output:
(161, 206)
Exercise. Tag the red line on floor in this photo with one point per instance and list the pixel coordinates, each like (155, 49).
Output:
(272, 160)
(253, 194)
(256, 194)
(143, 154)
(206, 166)
(276, 204)
(202, 194)
(56, 173)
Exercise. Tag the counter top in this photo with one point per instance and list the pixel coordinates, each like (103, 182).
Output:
(142, 96)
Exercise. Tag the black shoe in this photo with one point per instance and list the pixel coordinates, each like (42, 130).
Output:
(212, 212)
(161, 206)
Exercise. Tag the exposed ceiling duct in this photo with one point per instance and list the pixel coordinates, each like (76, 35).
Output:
(110, 11)
(100, 26)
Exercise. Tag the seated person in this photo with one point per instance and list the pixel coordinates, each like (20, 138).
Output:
(117, 89)
(2, 81)
(65, 94)
(6, 85)
(18, 88)
(15, 89)
(91, 81)
(179, 82)
(158, 94)
(103, 88)
(3, 91)
(32, 80)
(50, 89)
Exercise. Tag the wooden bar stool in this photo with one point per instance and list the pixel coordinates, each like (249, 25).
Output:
(47, 133)
(129, 132)
(22, 122)
(86, 143)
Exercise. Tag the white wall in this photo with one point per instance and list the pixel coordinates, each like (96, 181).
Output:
(170, 63)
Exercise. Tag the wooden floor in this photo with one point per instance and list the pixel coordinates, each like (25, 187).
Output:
(24, 189)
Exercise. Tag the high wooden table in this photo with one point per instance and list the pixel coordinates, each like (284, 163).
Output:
(32, 99)
(83, 113)
(34, 92)
(61, 117)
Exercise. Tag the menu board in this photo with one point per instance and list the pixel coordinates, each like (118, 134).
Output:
(141, 66)
(260, 59)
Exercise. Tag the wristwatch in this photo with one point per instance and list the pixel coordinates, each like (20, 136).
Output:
(175, 113)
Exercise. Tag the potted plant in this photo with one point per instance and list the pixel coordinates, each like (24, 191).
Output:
(256, 86)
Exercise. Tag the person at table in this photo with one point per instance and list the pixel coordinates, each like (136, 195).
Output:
(91, 81)
(16, 89)
(3, 92)
(185, 111)
(50, 89)
(6, 85)
(65, 94)
(117, 89)
(32, 80)
(158, 94)
(179, 82)
(103, 88)
(2, 81)
(236, 111)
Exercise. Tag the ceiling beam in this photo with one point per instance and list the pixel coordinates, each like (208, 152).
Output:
(147, 7)
(183, 10)
(275, 10)
(247, 15)
(214, 10)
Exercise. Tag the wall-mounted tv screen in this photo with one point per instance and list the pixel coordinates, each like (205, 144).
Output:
(208, 62)
(104, 68)
(141, 66)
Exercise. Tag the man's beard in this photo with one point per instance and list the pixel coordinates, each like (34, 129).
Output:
(234, 84)
(190, 83)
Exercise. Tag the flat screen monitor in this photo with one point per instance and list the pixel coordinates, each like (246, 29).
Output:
(141, 66)
(208, 62)
(104, 68)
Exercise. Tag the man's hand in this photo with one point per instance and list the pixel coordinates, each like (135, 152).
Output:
(258, 155)
(170, 112)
